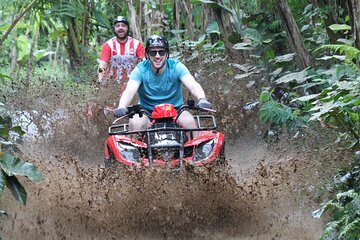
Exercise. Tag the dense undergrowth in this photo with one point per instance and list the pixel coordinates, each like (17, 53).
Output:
(331, 97)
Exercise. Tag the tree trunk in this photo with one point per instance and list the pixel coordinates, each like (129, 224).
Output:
(30, 61)
(62, 57)
(140, 19)
(205, 15)
(50, 50)
(223, 21)
(13, 61)
(295, 39)
(329, 19)
(147, 14)
(354, 13)
(176, 17)
(56, 55)
(134, 25)
(72, 44)
(185, 6)
(84, 23)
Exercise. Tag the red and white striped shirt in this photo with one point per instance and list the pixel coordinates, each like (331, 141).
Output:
(122, 57)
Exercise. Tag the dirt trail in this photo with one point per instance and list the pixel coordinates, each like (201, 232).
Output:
(268, 193)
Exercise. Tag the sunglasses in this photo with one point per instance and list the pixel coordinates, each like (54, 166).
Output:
(161, 53)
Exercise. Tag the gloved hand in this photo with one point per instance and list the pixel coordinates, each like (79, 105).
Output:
(203, 103)
(100, 82)
(119, 112)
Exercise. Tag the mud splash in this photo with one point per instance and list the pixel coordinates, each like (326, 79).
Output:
(268, 193)
(259, 197)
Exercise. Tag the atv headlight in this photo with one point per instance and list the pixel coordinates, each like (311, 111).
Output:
(129, 152)
(204, 150)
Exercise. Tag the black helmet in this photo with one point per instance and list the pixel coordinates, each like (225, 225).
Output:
(120, 19)
(123, 20)
(156, 41)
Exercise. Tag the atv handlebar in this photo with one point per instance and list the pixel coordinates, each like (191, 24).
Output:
(138, 109)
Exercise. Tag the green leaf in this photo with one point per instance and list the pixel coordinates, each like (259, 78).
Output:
(319, 212)
(4, 132)
(339, 57)
(346, 85)
(5, 76)
(354, 116)
(176, 31)
(305, 27)
(243, 46)
(285, 58)
(212, 27)
(305, 98)
(102, 19)
(15, 166)
(339, 27)
(17, 26)
(17, 190)
(299, 77)
(42, 53)
(253, 34)
(325, 108)
(265, 96)
(18, 130)
(23, 46)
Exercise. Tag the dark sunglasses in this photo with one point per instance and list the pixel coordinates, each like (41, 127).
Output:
(161, 53)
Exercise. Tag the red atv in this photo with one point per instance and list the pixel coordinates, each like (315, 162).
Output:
(165, 141)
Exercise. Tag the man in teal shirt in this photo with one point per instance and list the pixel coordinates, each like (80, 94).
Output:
(157, 80)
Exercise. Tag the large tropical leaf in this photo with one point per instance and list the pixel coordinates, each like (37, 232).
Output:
(4, 131)
(17, 190)
(18, 130)
(15, 166)
(102, 19)
(17, 26)
(306, 98)
(243, 46)
(340, 27)
(299, 77)
(285, 58)
(5, 76)
(212, 27)
(253, 34)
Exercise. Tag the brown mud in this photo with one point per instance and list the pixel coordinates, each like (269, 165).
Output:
(268, 192)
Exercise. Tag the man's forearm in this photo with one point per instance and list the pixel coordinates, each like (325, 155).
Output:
(129, 93)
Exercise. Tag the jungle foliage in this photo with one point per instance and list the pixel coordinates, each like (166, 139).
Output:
(11, 166)
(310, 49)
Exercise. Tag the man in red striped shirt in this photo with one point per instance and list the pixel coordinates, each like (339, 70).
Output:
(119, 55)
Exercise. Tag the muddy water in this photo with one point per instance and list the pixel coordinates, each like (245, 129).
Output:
(265, 194)
(268, 192)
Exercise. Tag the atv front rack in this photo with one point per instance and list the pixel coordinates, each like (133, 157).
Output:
(205, 123)
(166, 138)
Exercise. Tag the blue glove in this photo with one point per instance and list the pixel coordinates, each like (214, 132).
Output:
(203, 103)
(119, 112)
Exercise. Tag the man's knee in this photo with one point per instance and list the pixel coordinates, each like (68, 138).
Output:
(138, 123)
(187, 120)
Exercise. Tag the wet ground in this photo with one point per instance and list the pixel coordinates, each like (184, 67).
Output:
(269, 191)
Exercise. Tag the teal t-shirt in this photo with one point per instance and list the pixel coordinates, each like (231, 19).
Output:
(166, 88)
